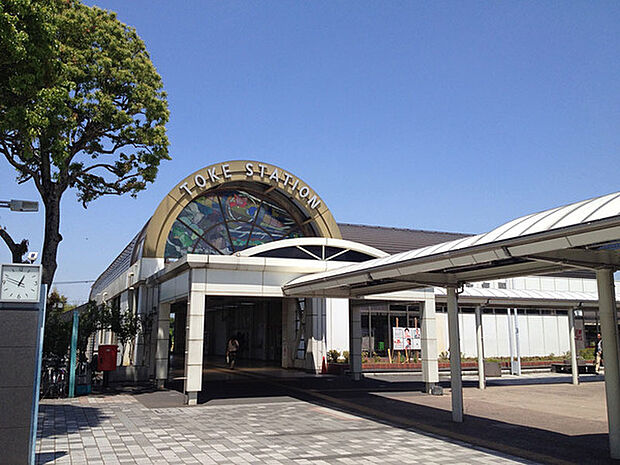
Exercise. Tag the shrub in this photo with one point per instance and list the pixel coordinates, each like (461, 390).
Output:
(345, 356)
(332, 356)
(587, 353)
(364, 357)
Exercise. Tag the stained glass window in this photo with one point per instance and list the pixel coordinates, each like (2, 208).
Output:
(227, 221)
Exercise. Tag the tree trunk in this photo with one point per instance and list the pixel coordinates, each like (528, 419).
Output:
(52, 237)
(17, 250)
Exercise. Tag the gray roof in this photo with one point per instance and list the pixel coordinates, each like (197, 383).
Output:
(395, 240)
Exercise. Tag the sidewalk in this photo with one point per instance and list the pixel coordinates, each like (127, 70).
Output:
(270, 415)
(120, 429)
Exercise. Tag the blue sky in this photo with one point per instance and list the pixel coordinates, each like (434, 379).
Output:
(453, 116)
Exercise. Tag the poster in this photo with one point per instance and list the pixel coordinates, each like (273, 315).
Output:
(406, 339)
(398, 335)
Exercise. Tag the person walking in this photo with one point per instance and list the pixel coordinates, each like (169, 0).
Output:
(599, 353)
(232, 346)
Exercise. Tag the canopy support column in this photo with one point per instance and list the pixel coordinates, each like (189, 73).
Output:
(609, 334)
(480, 347)
(573, 349)
(456, 384)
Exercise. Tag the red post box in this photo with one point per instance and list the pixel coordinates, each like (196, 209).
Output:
(106, 358)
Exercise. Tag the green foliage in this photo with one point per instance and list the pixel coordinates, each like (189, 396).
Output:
(81, 105)
(444, 356)
(92, 318)
(588, 353)
(125, 325)
(57, 335)
(332, 356)
(364, 357)
(89, 323)
(345, 356)
(376, 358)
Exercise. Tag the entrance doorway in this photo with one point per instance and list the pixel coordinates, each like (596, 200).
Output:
(256, 322)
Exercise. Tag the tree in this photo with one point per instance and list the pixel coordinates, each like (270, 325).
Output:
(81, 106)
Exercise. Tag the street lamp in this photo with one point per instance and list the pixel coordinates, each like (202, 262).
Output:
(20, 205)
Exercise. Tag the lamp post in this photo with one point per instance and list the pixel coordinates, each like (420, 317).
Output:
(20, 205)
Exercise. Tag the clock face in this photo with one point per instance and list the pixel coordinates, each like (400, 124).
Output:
(20, 283)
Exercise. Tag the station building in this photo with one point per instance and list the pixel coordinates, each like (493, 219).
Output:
(211, 262)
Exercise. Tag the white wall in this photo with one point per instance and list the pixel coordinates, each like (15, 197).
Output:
(175, 288)
(337, 315)
(538, 334)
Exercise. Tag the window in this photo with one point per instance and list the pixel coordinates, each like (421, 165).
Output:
(224, 222)
(316, 252)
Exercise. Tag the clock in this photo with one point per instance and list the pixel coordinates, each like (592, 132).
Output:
(20, 282)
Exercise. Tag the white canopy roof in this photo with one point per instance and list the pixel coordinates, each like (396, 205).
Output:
(525, 297)
(585, 234)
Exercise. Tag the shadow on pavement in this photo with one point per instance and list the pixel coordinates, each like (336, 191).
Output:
(363, 399)
(527, 442)
(47, 457)
(62, 419)
(529, 381)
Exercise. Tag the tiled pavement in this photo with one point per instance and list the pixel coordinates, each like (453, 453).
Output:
(121, 430)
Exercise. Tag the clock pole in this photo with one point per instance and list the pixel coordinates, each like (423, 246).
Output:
(22, 323)
(74, 339)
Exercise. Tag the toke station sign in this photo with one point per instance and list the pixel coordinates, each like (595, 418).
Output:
(214, 175)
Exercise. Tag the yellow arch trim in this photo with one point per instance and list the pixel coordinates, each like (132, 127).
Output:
(270, 176)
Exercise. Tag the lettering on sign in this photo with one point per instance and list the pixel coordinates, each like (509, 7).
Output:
(219, 173)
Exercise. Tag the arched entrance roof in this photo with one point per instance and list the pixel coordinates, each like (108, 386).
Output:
(259, 182)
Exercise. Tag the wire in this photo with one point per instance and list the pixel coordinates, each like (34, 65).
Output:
(75, 282)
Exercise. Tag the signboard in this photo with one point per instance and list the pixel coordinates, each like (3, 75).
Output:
(406, 339)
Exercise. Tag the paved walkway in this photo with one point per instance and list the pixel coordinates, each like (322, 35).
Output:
(123, 429)
(268, 415)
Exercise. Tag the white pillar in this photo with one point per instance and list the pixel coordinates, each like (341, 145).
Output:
(355, 342)
(573, 350)
(511, 341)
(314, 335)
(480, 347)
(517, 343)
(428, 330)
(456, 384)
(139, 342)
(194, 339)
(289, 351)
(161, 346)
(609, 333)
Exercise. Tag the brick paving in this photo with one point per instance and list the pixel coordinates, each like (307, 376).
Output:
(119, 429)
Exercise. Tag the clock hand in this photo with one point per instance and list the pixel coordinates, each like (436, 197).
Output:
(21, 281)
